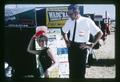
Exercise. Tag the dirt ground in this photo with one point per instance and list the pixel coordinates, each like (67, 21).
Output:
(105, 56)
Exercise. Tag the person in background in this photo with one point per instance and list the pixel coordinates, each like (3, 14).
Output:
(106, 31)
(80, 29)
(46, 57)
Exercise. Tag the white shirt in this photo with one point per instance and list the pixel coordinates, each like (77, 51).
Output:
(84, 27)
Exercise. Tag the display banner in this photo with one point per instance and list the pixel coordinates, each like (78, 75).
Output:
(56, 16)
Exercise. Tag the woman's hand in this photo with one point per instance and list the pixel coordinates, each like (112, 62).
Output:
(34, 36)
(37, 34)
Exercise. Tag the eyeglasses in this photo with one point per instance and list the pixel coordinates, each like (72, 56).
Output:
(70, 14)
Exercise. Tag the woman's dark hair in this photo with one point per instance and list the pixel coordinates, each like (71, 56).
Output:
(43, 38)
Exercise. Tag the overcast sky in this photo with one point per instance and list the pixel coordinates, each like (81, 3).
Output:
(97, 9)
(100, 9)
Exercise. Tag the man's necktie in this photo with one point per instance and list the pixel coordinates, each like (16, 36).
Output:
(74, 32)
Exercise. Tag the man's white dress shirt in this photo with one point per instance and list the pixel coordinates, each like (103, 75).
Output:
(84, 27)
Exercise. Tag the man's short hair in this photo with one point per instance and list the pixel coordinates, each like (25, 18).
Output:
(73, 7)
